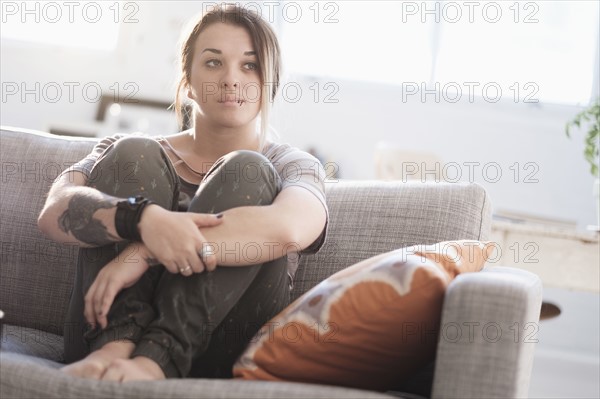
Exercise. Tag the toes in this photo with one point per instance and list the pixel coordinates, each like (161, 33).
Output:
(84, 369)
(123, 370)
(116, 370)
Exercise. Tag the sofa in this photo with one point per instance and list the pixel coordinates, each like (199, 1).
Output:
(366, 218)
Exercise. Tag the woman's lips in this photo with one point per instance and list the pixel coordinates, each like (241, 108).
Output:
(232, 103)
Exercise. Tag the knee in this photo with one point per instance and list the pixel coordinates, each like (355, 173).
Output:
(244, 157)
(250, 166)
(135, 165)
(239, 178)
(127, 152)
(134, 148)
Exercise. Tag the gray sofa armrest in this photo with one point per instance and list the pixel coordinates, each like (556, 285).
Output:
(488, 335)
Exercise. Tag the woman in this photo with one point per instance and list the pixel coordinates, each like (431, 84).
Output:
(147, 277)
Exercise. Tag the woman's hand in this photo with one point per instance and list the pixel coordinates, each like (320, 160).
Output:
(176, 240)
(122, 272)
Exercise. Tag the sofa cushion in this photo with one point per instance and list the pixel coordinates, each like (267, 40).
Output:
(367, 326)
(368, 218)
(36, 274)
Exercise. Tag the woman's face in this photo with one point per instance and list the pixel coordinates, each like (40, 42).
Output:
(225, 78)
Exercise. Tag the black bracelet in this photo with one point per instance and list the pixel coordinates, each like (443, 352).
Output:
(128, 216)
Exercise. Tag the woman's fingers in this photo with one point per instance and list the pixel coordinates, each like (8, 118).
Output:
(98, 300)
(179, 253)
(203, 260)
(172, 267)
(110, 280)
(187, 271)
(90, 300)
(88, 310)
(193, 262)
(176, 244)
(206, 219)
(208, 256)
(206, 253)
(108, 297)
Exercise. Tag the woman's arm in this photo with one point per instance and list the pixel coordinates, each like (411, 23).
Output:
(258, 234)
(74, 213)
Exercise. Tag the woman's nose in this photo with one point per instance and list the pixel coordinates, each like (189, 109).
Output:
(230, 80)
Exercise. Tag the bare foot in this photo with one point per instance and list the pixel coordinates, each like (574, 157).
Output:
(139, 368)
(96, 363)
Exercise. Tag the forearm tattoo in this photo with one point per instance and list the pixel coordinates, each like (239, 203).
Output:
(78, 219)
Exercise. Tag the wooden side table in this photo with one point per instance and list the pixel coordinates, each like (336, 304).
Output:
(561, 257)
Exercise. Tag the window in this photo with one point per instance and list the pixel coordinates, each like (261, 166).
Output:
(84, 24)
(355, 40)
(530, 51)
(536, 51)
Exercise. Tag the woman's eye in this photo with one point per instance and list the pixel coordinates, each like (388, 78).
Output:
(251, 66)
(213, 63)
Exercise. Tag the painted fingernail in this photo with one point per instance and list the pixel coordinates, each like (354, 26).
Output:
(219, 215)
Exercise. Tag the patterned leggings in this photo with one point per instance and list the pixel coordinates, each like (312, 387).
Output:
(192, 326)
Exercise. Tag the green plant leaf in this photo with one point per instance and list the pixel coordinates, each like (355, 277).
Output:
(589, 117)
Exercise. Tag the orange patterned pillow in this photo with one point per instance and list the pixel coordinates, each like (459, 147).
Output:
(367, 326)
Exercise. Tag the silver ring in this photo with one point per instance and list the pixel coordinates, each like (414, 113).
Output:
(206, 250)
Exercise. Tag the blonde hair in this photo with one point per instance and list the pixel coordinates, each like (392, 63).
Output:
(267, 53)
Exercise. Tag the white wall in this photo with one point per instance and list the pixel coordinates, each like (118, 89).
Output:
(345, 132)
(502, 133)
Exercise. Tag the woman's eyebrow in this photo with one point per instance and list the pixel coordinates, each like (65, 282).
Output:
(214, 50)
